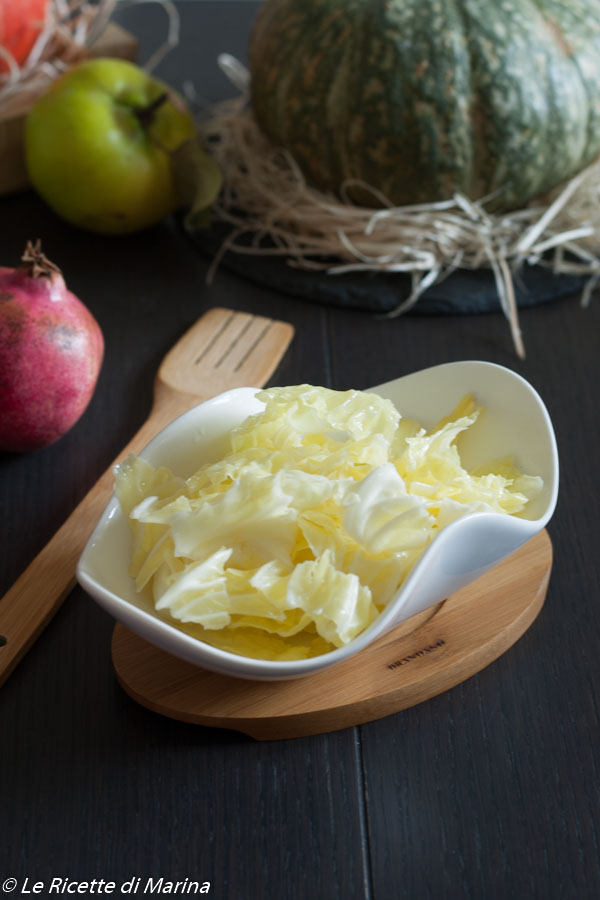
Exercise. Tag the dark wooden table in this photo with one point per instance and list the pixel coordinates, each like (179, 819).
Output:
(490, 790)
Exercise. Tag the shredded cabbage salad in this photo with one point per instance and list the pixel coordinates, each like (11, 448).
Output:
(293, 542)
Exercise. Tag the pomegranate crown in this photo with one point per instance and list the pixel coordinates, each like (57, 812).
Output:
(36, 264)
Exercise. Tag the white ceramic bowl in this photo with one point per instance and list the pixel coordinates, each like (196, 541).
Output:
(515, 422)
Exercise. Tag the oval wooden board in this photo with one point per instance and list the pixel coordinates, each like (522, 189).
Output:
(421, 658)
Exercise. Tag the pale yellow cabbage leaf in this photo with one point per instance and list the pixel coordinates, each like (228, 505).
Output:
(293, 542)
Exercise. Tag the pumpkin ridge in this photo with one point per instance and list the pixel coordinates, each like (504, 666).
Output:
(590, 88)
(478, 179)
(579, 23)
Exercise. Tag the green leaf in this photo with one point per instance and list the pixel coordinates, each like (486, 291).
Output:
(198, 180)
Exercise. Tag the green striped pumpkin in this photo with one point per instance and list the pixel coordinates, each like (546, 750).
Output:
(423, 98)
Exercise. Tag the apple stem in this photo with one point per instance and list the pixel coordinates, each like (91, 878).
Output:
(145, 114)
(36, 264)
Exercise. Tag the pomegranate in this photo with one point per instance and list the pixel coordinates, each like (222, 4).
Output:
(21, 23)
(51, 350)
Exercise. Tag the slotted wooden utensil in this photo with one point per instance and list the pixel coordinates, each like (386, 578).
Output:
(222, 350)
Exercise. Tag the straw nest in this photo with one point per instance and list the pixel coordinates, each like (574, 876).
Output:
(266, 197)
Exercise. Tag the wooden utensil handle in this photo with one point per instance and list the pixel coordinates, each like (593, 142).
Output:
(38, 593)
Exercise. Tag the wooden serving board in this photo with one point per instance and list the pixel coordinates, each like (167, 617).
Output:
(422, 657)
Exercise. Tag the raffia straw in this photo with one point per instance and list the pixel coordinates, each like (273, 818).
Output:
(70, 29)
(172, 39)
(266, 197)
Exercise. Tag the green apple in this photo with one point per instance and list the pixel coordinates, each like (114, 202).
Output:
(100, 146)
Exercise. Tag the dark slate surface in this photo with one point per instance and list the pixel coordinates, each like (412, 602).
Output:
(463, 291)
